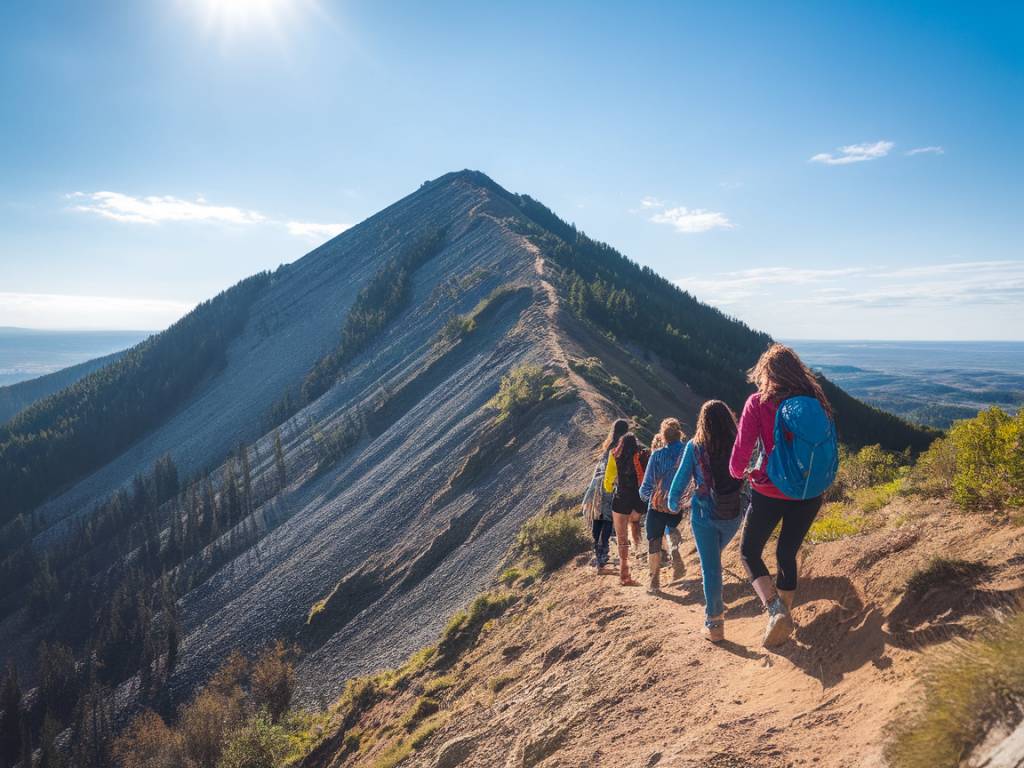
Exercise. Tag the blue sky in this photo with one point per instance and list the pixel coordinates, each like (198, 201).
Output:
(820, 170)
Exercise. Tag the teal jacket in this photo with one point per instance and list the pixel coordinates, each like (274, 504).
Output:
(689, 470)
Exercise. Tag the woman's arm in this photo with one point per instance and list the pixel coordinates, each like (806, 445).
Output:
(611, 474)
(682, 479)
(647, 486)
(746, 437)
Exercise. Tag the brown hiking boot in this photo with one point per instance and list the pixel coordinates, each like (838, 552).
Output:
(714, 628)
(780, 624)
(654, 560)
(678, 566)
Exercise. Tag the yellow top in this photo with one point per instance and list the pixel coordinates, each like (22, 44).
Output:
(611, 474)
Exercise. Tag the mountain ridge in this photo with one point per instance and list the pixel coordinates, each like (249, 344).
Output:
(400, 484)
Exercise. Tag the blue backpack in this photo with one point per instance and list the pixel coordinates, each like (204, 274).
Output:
(805, 458)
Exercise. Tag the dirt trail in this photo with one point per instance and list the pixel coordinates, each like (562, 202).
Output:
(583, 671)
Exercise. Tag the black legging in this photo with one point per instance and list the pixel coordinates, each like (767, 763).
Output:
(796, 517)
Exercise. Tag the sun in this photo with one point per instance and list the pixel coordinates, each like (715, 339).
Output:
(227, 18)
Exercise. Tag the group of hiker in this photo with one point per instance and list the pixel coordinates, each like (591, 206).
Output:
(771, 465)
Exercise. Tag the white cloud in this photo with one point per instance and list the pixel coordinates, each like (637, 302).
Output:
(937, 286)
(926, 151)
(686, 220)
(855, 153)
(157, 209)
(689, 220)
(313, 231)
(59, 311)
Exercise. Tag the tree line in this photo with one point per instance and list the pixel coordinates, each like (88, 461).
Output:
(71, 433)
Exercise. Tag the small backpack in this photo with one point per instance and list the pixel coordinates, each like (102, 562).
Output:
(805, 458)
(640, 459)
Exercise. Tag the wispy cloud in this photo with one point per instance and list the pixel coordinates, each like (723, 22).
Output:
(925, 151)
(53, 310)
(686, 220)
(156, 209)
(160, 209)
(934, 285)
(314, 231)
(855, 153)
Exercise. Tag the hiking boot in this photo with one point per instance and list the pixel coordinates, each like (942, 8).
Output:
(678, 566)
(780, 624)
(787, 596)
(714, 629)
(624, 578)
(654, 560)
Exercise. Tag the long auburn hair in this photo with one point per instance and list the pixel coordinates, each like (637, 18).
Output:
(780, 373)
(619, 428)
(716, 429)
(627, 446)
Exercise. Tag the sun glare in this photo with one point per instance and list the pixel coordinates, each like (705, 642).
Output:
(229, 18)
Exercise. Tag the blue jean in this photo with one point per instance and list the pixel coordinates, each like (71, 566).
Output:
(602, 531)
(711, 537)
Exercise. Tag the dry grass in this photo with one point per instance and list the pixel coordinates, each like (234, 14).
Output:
(974, 687)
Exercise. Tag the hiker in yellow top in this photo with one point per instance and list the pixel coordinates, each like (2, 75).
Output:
(624, 473)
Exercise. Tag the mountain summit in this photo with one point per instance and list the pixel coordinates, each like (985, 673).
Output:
(339, 453)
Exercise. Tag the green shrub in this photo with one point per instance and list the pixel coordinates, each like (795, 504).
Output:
(989, 460)
(971, 689)
(834, 523)
(459, 326)
(438, 685)
(258, 744)
(553, 539)
(521, 388)
(933, 472)
(877, 496)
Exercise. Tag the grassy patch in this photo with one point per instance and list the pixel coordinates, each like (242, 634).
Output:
(427, 729)
(500, 682)
(459, 326)
(465, 627)
(872, 499)
(973, 688)
(944, 572)
(424, 707)
(835, 522)
(553, 539)
(439, 685)
(520, 389)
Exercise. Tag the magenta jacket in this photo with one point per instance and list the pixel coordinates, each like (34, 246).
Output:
(756, 421)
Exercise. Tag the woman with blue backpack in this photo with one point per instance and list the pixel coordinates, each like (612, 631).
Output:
(597, 504)
(791, 420)
(716, 503)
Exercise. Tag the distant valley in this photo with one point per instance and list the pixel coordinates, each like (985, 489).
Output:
(927, 382)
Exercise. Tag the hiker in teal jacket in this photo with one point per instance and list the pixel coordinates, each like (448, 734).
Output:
(654, 490)
(715, 512)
